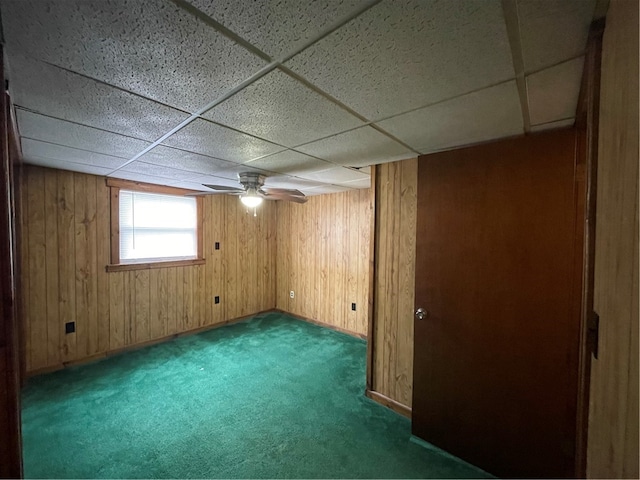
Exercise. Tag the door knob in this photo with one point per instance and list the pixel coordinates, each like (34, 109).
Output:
(421, 313)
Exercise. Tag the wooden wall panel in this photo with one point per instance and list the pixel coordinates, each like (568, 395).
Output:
(323, 256)
(66, 261)
(395, 233)
(612, 450)
(66, 246)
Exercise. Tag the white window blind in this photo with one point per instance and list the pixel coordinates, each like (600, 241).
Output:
(157, 227)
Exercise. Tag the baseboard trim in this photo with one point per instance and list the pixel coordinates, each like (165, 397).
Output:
(389, 403)
(323, 324)
(129, 348)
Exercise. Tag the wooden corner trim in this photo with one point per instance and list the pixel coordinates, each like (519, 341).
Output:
(373, 257)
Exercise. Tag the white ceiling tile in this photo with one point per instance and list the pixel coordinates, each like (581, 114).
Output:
(230, 175)
(61, 94)
(552, 31)
(480, 116)
(158, 171)
(290, 162)
(357, 148)
(233, 169)
(362, 183)
(553, 93)
(398, 56)
(553, 125)
(207, 138)
(281, 109)
(181, 160)
(53, 130)
(35, 148)
(340, 175)
(71, 166)
(278, 28)
(150, 47)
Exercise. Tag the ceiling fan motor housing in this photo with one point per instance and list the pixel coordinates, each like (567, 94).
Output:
(251, 180)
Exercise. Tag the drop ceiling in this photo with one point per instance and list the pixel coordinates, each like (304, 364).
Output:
(310, 93)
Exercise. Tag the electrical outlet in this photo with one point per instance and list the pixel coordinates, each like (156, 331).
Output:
(216, 299)
(353, 307)
(69, 327)
(217, 246)
(291, 294)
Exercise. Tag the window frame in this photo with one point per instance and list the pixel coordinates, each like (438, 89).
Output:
(115, 185)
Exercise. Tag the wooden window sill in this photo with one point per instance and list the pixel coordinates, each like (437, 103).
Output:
(149, 265)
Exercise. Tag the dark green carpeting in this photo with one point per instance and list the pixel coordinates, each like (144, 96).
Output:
(272, 397)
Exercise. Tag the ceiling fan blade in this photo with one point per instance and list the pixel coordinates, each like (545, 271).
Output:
(285, 197)
(288, 191)
(223, 188)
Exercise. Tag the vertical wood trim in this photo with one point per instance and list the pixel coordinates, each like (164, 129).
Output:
(24, 266)
(67, 261)
(10, 434)
(115, 225)
(116, 311)
(613, 438)
(173, 300)
(155, 323)
(37, 269)
(200, 227)
(91, 276)
(141, 289)
(587, 152)
(373, 255)
(102, 259)
(51, 266)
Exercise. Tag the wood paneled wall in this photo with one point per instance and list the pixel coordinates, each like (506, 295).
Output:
(65, 240)
(394, 282)
(613, 417)
(323, 255)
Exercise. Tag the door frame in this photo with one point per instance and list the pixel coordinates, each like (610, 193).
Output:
(11, 355)
(587, 124)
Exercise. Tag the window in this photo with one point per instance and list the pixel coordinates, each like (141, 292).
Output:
(153, 226)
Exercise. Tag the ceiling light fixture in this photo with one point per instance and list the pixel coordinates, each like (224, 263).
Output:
(251, 199)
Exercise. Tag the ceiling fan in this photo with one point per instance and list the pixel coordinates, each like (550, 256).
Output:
(253, 192)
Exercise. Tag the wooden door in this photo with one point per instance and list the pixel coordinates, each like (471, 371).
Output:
(497, 261)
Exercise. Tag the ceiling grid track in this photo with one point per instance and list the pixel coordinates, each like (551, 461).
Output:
(261, 73)
(287, 89)
(512, 22)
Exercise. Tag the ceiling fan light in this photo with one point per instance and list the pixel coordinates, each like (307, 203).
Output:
(251, 200)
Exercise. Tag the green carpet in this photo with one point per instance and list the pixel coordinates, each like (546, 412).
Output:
(272, 397)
